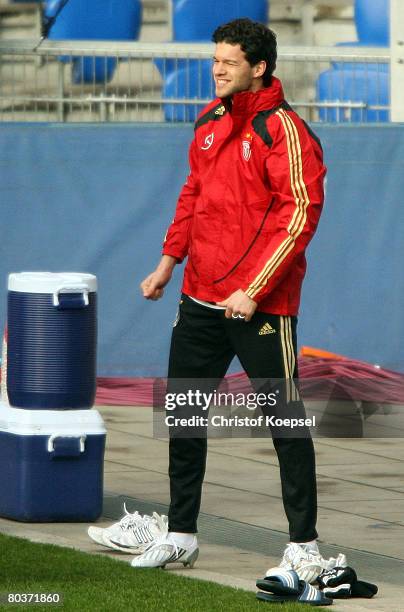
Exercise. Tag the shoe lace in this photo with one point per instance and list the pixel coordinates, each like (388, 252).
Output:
(162, 539)
(129, 519)
(295, 553)
(290, 553)
(161, 521)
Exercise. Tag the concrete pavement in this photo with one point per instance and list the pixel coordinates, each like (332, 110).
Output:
(243, 528)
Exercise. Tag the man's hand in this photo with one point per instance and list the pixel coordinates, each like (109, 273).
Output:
(153, 285)
(239, 306)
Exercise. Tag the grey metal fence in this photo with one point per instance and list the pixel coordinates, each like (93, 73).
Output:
(85, 81)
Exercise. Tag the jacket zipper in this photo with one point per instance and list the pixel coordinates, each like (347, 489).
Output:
(219, 280)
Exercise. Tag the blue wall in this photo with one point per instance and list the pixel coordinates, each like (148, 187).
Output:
(99, 198)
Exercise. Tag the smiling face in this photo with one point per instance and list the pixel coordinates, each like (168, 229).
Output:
(233, 73)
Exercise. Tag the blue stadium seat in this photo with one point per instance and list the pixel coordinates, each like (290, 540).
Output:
(347, 85)
(360, 64)
(93, 69)
(166, 65)
(372, 19)
(193, 81)
(97, 20)
(195, 20)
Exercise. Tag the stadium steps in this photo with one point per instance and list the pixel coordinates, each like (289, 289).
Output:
(332, 22)
(19, 20)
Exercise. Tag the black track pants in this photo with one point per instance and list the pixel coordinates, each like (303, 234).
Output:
(203, 344)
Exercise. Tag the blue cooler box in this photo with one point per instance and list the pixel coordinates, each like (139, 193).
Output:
(52, 340)
(51, 464)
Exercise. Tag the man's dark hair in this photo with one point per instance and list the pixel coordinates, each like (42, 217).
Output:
(256, 40)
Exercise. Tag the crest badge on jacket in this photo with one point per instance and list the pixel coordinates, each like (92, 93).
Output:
(246, 144)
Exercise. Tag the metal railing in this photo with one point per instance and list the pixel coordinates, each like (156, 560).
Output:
(81, 81)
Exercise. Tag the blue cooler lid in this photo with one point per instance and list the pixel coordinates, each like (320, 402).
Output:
(53, 282)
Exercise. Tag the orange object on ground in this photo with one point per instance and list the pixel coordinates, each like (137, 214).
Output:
(309, 351)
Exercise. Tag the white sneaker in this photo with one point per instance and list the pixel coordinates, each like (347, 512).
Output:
(164, 550)
(132, 534)
(308, 564)
(327, 564)
(97, 533)
(138, 536)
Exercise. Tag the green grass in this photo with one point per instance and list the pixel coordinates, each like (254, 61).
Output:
(96, 583)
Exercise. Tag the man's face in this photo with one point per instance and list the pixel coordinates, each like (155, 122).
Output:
(232, 72)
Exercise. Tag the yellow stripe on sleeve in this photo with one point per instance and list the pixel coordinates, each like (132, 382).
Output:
(302, 201)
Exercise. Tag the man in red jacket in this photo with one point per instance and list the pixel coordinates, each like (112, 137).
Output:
(245, 215)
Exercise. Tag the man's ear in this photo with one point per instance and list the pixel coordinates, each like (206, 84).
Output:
(259, 69)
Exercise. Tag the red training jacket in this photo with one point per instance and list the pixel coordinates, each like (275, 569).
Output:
(251, 202)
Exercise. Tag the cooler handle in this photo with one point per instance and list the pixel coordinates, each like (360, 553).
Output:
(52, 438)
(78, 288)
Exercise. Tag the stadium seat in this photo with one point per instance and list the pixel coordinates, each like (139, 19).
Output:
(165, 65)
(96, 20)
(193, 81)
(93, 69)
(195, 20)
(360, 64)
(372, 20)
(357, 85)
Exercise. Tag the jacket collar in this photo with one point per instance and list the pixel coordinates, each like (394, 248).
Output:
(249, 102)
